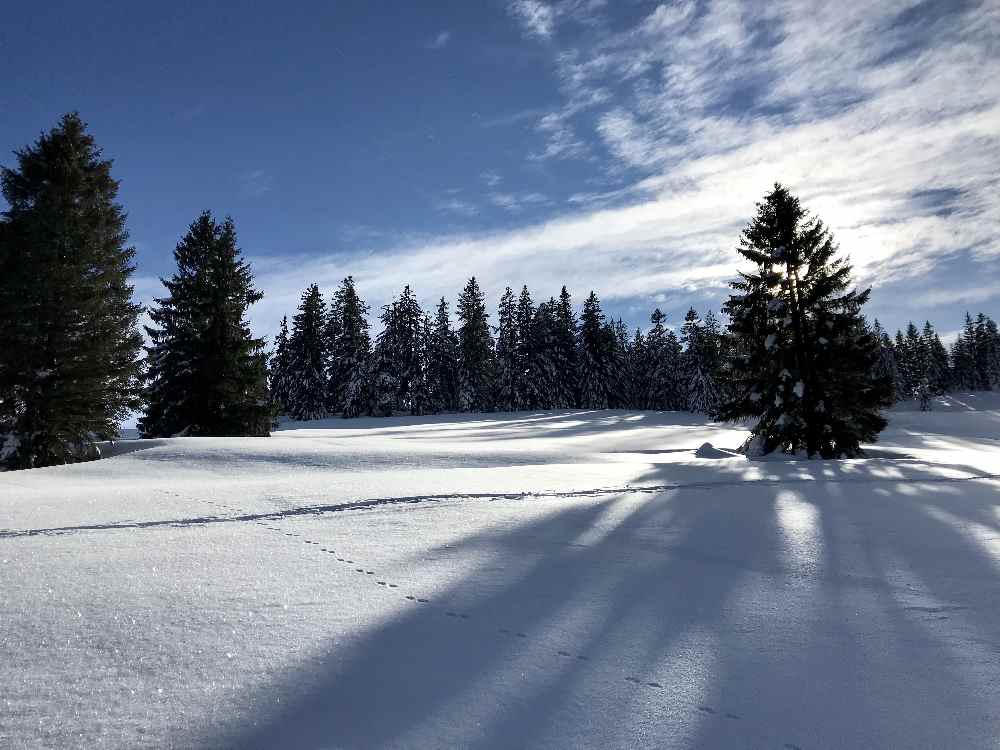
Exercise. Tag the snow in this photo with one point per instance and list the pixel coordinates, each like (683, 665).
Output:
(571, 579)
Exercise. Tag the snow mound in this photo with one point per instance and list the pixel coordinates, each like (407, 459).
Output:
(707, 450)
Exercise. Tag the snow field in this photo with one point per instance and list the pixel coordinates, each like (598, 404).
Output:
(554, 580)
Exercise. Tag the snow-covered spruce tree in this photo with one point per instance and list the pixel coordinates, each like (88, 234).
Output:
(527, 389)
(207, 373)
(564, 354)
(807, 373)
(620, 394)
(278, 368)
(409, 346)
(543, 363)
(886, 367)
(963, 357)
(938, 372)
(905, 377)
(665, 390)
(508, 372)
(349, 347)
(478, 366)
(307, 358)
(916, 357)
(987, 353)
(698, 365)
(595, 355)
(442, 362)
(69, 341)
(638, 371)
(398, 382)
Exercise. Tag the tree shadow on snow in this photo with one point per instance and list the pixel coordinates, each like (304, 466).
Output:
(695, 618)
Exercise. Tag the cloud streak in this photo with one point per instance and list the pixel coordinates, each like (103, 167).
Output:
(884, 118)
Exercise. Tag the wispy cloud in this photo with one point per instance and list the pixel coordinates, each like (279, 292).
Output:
(255, 183)
(491, 178)
(516, 202)
(450, 204)
(439, 40)
(562, 141)
(536, 17)
(885, 119)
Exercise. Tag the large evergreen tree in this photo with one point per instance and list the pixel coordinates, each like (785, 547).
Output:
(807, 374)
(664, 378)
(478, 366)
(349, 347)
(620, 395)
(886, 368)
(595, 356)
(398, 381)
(963, 357)
(508, 351)
(278, 367)
(307, 358)
(565, 390)
(69, 340)
(443, 365)
(699, 364)
(207, 373)
(543, 360)
(528, 393)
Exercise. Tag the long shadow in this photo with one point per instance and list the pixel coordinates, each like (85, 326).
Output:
(805, 629)
(407, 682)
(870, 639)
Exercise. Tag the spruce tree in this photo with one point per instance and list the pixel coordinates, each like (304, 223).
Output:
(807, 374)
(886, 367)
(278, 368)
(595, 352)
(544, 362)
(527, 388)
(665, 389)
(443, 365)
(620, 394)
(938, 371)
(565, 392)
(986, 353)
(478, 365)
(207, 373)
(915, 358)
(307, 354)
(963, 357)
(349, 347)
(638, 370)
(69, 342)
(398, 382)
(698, 365)
(508, 351)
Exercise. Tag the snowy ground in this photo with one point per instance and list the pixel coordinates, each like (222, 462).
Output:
(576, 579)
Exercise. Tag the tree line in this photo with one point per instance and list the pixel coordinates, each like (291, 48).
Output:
(536, 356)
(917, 362)
(797, 358)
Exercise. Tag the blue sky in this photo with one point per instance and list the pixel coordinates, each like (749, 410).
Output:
(616, 146)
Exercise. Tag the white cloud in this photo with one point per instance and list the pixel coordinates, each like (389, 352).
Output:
(704, 111)
(515, 202)
(491, 178)
(536, 17)
(255, 183)
(562, 139)
(453, 205)
(440, 40)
